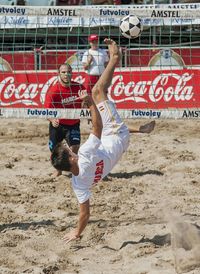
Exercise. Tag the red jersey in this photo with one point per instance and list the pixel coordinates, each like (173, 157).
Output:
(59, 96)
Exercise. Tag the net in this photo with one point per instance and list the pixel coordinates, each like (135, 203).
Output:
(158, 76)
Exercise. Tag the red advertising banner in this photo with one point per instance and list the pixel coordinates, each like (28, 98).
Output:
(22, 60)
(51, 60)
(156, 89)
(146, 89)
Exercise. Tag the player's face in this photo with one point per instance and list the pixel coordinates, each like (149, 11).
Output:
(94, 44)
(73, 158)
(65, 74)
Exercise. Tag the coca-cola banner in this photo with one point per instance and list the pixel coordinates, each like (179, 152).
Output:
(156, 89)
(146, 93)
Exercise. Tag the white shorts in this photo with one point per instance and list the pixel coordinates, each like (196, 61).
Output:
(112, 124)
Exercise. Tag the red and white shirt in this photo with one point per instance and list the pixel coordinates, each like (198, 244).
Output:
(59, 96)
(96, 159)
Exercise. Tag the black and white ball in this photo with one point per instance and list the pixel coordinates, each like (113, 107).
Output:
(131, 26)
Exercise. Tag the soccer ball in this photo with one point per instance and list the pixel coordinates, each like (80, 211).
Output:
(131, 26)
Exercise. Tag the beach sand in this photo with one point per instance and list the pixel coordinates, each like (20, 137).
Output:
(144, 216)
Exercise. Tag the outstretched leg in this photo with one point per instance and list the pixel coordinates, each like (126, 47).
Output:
(99, 91)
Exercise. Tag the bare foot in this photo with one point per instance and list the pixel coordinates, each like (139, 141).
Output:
(147, 128)
(113, 49)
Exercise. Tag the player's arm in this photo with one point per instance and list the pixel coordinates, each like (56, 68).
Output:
(97, 125)
(146, 128)
(84, 216)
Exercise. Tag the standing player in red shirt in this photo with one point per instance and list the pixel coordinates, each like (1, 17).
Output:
(64, 95)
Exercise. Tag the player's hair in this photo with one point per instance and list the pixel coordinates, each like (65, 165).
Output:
(60, 158)
(66, 65)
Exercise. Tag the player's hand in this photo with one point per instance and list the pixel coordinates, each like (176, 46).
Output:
(55, 122)
(147, 128)
(82, 93)
(71, 236)
(87, 99)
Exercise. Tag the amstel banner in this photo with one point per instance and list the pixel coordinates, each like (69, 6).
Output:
(30, 17)
(138, 94)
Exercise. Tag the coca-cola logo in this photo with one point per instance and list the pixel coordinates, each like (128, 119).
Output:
(28, 94)
(165, 86)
